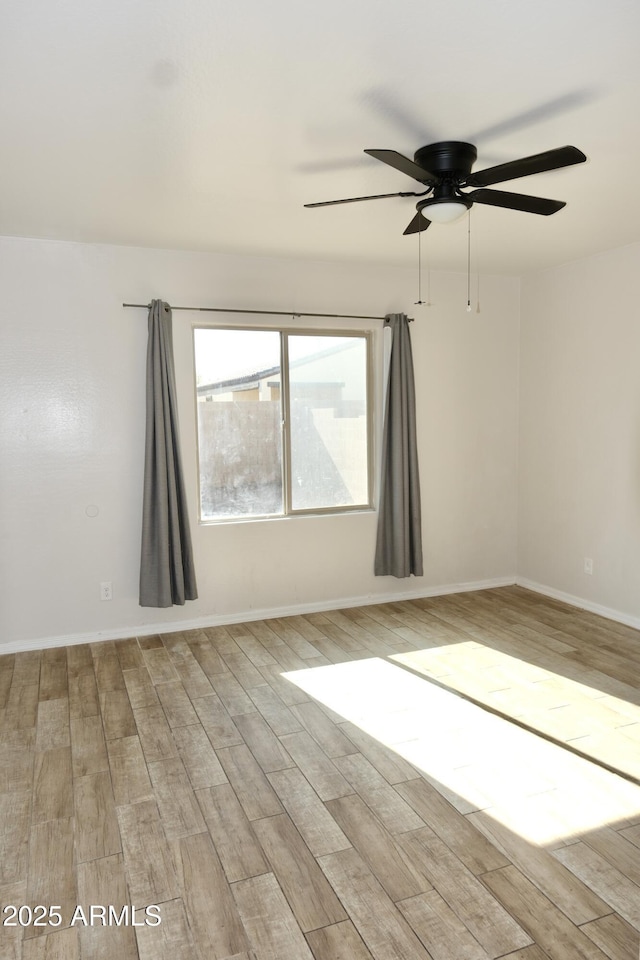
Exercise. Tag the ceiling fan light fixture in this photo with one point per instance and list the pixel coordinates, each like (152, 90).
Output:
(443, 211)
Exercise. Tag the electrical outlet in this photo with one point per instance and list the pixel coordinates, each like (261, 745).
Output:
(106, 592)
(588, 565)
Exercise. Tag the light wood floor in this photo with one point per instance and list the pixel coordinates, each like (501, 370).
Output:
(328, 786)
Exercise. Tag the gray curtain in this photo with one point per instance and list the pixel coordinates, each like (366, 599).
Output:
(167, 575)
(399, 541)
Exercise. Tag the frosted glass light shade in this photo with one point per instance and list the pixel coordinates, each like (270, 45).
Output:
(443, 212)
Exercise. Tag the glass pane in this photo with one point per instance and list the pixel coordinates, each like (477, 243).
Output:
(328, 394)
(239, 422)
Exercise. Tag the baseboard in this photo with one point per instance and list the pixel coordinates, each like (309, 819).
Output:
(174, 626)
(607, 612)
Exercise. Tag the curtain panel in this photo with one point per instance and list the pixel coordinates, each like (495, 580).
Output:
(167, 574)
(399, 537)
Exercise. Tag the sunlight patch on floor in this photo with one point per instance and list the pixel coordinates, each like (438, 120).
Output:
(477, 760)
(598, 723)
(473, 664)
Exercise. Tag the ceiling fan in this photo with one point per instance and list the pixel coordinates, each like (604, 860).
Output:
(445, 168)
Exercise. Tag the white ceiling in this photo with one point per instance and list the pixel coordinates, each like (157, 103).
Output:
(207, 124)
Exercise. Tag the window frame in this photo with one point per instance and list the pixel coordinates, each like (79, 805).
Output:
(288, 511)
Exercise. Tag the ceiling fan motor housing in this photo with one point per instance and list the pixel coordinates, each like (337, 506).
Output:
(450, 159)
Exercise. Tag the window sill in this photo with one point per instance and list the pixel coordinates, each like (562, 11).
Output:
(306, 515)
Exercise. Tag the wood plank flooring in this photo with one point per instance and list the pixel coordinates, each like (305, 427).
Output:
(338, 786)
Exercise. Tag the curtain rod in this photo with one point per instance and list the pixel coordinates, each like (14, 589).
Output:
(276, 313)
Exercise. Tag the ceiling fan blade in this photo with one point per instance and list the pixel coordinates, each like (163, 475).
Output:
(376, 196)
(403, 164)
(541, 111)
(516, 201)
(417, 225)
(538, 163)
(391, 108)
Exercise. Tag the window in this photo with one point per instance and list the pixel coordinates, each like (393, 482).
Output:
(283, 421)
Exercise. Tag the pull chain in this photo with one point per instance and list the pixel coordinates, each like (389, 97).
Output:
(420, 301)
(469, 261)
(469, 270)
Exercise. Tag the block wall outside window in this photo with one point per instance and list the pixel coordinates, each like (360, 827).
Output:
(284, 421)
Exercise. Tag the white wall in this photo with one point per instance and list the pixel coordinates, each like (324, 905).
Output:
(72, 398)
(579, 477)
